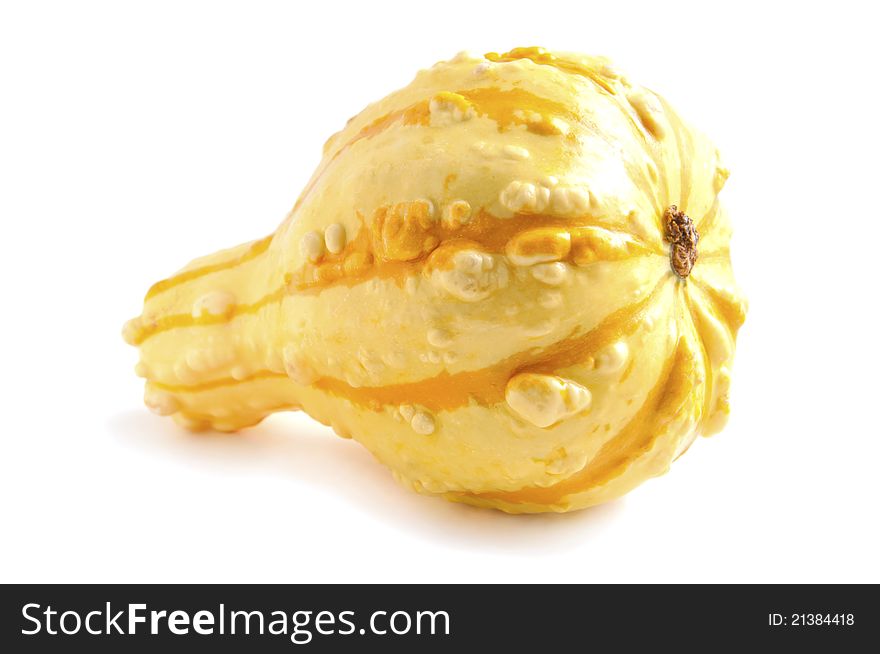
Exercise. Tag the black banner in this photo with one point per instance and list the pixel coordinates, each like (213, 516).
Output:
(319, 618)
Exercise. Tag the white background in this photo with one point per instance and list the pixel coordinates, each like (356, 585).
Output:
(136, 136)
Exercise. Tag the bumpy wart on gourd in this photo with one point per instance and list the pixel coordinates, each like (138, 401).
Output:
(492, 281)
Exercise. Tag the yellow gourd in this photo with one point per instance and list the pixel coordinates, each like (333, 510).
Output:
(509, 280)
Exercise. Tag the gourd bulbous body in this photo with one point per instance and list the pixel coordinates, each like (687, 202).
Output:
(509, 280)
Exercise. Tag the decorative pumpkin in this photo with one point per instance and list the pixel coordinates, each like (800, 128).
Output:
(509, 280)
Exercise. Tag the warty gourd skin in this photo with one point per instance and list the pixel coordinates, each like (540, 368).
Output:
(509, 280)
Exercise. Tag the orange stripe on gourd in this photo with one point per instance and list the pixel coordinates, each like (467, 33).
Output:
(395, 245)
(256, 249)
(218, 383)
(543, 57)
(398, 239)
(508, 108)
(447, 392)
(179, 320)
